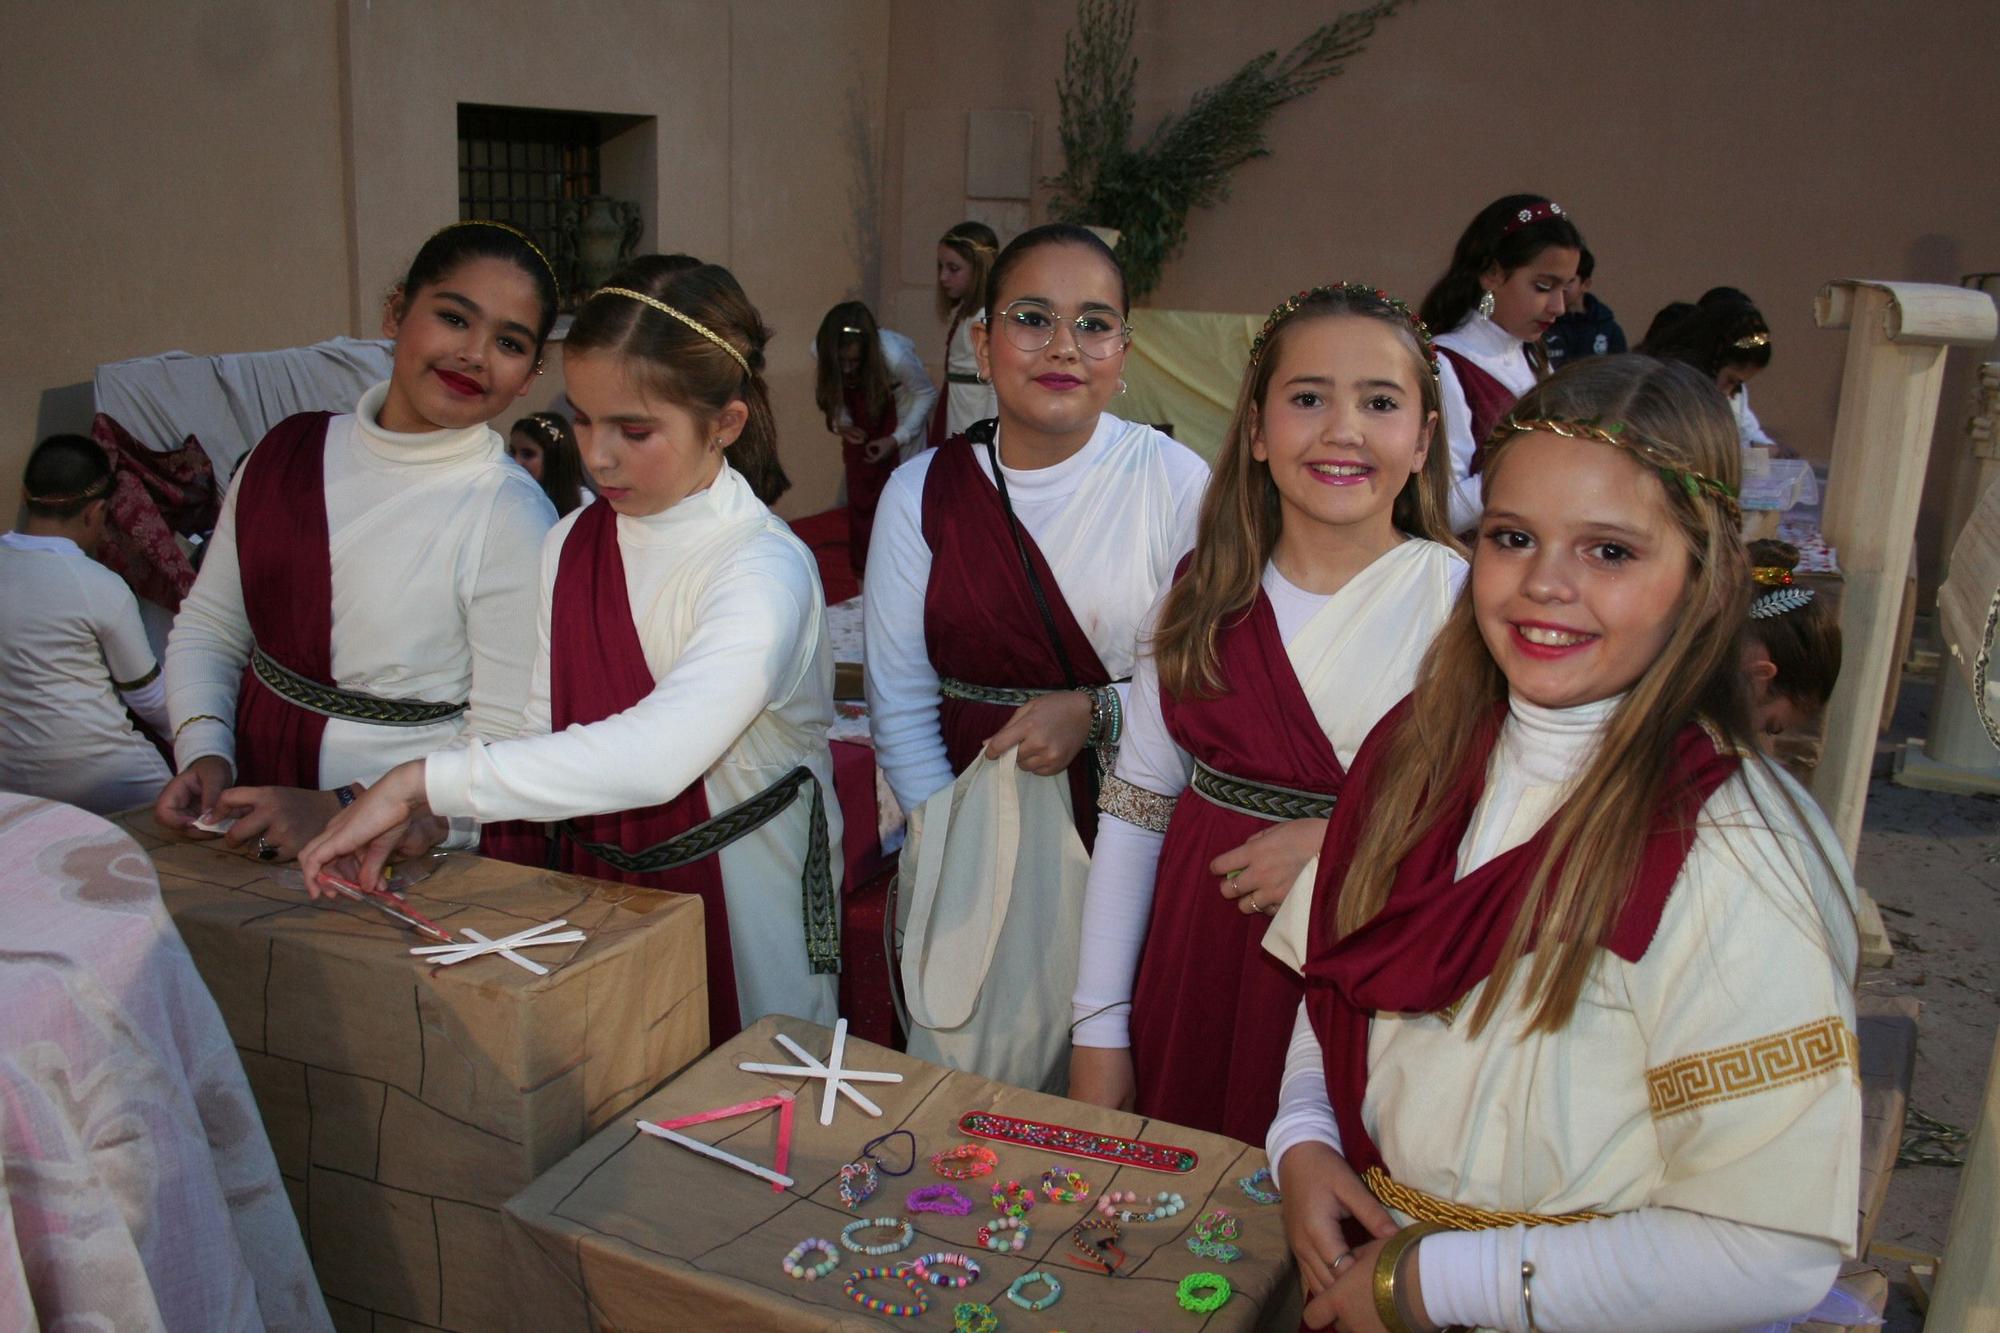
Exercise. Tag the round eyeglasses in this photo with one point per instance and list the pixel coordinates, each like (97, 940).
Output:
(1031, 326)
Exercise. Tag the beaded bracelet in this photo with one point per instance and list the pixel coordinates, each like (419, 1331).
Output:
(1250, 1185)
(1213, 1289)
(951, 1258)
(905, 1233)
(875, 1304)
(1012, 1200)
(1094, 1251)
(795, 1266)
(1042, 1302)
(938, 1199)
(858, 1180)
(972, 1317)
(978, 1160)
(1073, 1189)
(993, 1237)
(1165, 1205)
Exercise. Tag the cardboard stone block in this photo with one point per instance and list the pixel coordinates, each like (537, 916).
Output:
(350, 1318)
(474, 1254)
(280, 1089)
(346, 1121)
(375, 1246)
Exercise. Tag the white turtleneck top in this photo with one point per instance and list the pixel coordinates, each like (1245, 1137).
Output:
(1730, 1205)
(434, 541)
(730, 616)
(1504, 357)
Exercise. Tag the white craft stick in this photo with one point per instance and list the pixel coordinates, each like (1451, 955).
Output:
(846, 1075)
(474, 950)
(447, 954)
(832, 1090)
(710, 1150)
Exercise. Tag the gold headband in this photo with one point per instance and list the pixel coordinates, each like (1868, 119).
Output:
(1771, 576)
(97, 490)
(1750, 340)
(515, 232)
(691, 322)
(952, 238)
(1621, 436)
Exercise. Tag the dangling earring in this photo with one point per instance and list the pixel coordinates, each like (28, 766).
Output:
(1486, 303)
(1121, 388)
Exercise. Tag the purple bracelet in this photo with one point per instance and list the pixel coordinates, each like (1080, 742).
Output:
(938, 1199)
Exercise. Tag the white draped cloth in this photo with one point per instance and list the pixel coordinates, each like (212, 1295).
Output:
(965, 403)
(1504, 357)
(732, 621)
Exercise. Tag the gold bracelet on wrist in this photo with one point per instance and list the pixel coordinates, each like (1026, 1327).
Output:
(198, 717)
(1388, 1260)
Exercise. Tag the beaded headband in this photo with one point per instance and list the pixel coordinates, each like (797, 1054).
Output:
(545, 426)
(953, 238)
(1621, 436)
(97, 490)
(1750, 340)
(1541, 212)
(688, 320)
(1352, 290)
(515, 232)
(1770, 605)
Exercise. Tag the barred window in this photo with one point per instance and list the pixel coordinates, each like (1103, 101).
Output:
(521, 166)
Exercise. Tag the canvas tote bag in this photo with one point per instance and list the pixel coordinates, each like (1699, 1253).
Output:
(991, 923)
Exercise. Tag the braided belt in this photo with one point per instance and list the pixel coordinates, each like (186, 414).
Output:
(822, 917)
(960, 377)
(1429, 1208)
(1260, 800)
(1006, 695)
(348, 705)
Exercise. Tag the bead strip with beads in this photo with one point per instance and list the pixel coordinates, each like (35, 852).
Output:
(925, 1266)
(1078, 1142)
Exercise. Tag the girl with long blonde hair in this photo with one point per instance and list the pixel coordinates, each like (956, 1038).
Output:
(1321, 568)
(1579, 954)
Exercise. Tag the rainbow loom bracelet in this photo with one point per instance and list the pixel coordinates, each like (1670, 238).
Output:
(906, 1232)
(876, 1305)
(923, 1268)
(795, 1266)
(1042, 1302)
(977, 1160)
(1073, 1189)
(938, 1199)
(1252, 1183)
(1078, 1142)
(858, 1180)
(973, 1317)
(1013, 1200)
(1213, 1289)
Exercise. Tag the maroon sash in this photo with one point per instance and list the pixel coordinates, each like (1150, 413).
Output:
(597, 669)
(1489, 399)
(865, 480)
(981, 624)
(286, 570)
(1438, 936)
(1211, 1011)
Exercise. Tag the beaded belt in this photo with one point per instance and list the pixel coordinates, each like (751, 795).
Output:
(1006, 695)
(348, 705)
(1261, 800)
(822, 918)
(960, 377)
(1429, 1208)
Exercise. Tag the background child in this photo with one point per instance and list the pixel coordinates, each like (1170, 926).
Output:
(73, 652)
(1725, 337)
(1791, 651)
(545, 447)
(1587, 326)
(875, 395)
(1296, 623)
(965, 256)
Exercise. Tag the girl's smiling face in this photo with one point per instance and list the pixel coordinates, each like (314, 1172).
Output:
(465, 348)
(645, 455)
(1580, 570)
(1055, 392)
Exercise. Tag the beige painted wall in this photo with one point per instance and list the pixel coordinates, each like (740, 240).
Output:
(1763, 145)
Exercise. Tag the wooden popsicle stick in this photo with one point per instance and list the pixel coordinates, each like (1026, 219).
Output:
(710, 1150)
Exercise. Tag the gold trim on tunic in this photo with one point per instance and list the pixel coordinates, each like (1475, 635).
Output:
(1751, 1067)
(1424, 1207)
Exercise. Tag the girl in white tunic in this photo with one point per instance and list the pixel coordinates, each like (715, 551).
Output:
(684, 683)
(1503, 291)
(965, 256)
(362, 598)
(1316, 582)
(1579, 953)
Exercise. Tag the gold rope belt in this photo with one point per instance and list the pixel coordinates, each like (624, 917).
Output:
(1460, 1217)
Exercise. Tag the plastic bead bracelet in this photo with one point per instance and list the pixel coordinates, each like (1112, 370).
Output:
(1013, 1200)
(1042, 1302)
(905, 1233)
(938, 1199)
(795, 1265)
(923, 1268)
(1165, 1205)
(994, 1235)
(1074, 1187)
(876, 1305)
(972, 1317)
(965, 1161)
(1203, 1293)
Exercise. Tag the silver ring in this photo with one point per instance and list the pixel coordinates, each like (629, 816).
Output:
(265, 851)
(1347, 1255)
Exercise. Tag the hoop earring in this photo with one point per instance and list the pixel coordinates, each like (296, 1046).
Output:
(1121, 388)
(1486, 304)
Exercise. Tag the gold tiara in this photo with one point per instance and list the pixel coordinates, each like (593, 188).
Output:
(1619, 435)
(688, 320)
(97, 490)
(515, 232)
(1750, 340)
(1771, 576)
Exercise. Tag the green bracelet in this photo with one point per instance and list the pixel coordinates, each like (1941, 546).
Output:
(1213, 1288)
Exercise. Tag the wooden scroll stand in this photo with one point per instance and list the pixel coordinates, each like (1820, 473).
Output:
(1898, 333)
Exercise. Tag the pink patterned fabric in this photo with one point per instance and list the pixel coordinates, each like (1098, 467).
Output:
(157, 494)
(138, 1189)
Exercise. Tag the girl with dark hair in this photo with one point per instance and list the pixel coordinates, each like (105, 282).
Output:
(965, 256)
(1791, 650)
(1577, 1048)
(683, 677)
(1320, 571)
(362, 598)
(1724, 336)
(545, 447)
(875, 395)
(1503, 290)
